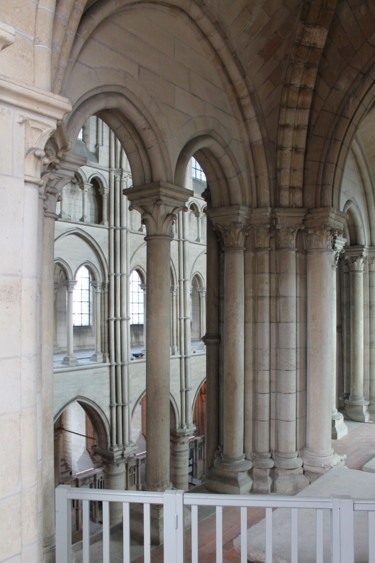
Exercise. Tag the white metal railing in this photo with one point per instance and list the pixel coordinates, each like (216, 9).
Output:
(341, 529)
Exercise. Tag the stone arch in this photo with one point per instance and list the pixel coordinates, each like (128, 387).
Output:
(134, 126)
(326, 172)
(199, 407)
(65, 268)
(103, 272)
(94, 272)
(217, 50)
(296, 100)
(96, 415)
(355, 231)
(173, 407)
(220, 167)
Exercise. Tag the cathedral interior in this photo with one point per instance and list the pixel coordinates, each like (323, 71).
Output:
(187, 271)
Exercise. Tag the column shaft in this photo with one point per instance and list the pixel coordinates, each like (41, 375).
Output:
(98, 355)
(288, 474)
(231, 472)
(212, 342)
(318, 454)
(372, 331)
(356, 405)
(262, 462)
(70, 359)
(158, 203)
(157, 363)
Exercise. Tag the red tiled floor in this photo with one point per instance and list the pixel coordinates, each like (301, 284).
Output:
(358, 446)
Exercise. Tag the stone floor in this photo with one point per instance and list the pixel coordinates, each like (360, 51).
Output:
(359, 447)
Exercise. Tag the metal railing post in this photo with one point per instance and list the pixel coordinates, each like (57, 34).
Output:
(63, 525)
(174, 526)
(346, 530)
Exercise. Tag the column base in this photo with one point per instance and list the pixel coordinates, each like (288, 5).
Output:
(49, 549)
(97, 357)
(356, 409)
(339, 428)
(288, 475)
(261, 474)
(289, 481)
(70, 361)
(230, 478)
(318, 462)
(371, 408)
(180, 458)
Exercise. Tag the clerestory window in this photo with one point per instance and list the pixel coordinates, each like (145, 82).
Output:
(82, 308)
(136, 299)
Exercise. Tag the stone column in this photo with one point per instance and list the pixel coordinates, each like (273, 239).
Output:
(321, 228)
(371, 263)
(104, 194)
(231, 471)
(180, 459)
(49, 197)
(262, 462)
(84, 188)
(174, 345)
(202, 306)
(356, 405)
(114, 478)
(339, 428)
(212, 343)
(69, 359)
(158, 204)
(98, 356)
(288, 473)
(58, 172)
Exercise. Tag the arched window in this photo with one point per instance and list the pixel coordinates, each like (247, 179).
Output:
(82, 308)
(197, 171)
(94, 202)
(136, 299)
(195, 310)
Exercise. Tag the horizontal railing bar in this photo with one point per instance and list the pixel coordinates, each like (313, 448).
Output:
(114, 496)
(367, 505)
(199, 499)
(256, 501)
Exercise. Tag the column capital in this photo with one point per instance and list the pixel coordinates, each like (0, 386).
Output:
(371, 258)
(287, 223)
(58, 171)
(158, 203)
(324, 228)
(97, 286)
(232, 223)
(356, 257)
(70, 285)
(37, 114)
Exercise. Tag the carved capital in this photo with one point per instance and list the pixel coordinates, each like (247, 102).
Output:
(97, 286)
(70, 285)
(59, 170)
(158, 205)
(232, 224)
(355, 257)
(287, 224)
(371, 259)
(319, 237)
(339, 245)
(324, 228)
